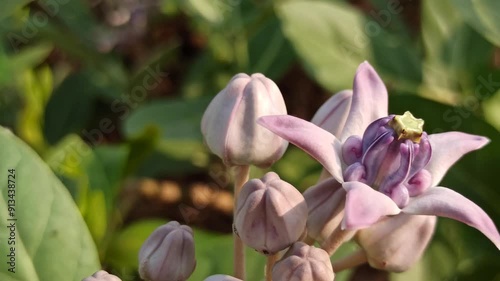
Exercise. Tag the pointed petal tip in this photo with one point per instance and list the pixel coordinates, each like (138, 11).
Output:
(444, 202)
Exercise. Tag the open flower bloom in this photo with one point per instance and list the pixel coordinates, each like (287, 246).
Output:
(386, 163)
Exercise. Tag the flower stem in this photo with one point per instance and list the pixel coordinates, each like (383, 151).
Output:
(350, 261)
(241, 174)
(333, 242)
(271, 260)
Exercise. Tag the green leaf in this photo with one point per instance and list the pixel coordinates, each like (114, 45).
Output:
(214, 255)
(328, 37)
(124, 248)
(269, 52)
(71, 106)
(491, 110)
(456, 55)
(92, 177)
(176, 119)
(52, 240)
(10, 6)
(37, 89)
(483, 16)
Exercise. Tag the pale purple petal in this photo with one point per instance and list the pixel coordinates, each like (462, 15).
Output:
(365, 206)
(447, 148)
(444, 202)
(318, 143)
(369, 101)
(332, 115)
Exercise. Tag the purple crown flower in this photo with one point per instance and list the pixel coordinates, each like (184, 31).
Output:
(386, 164)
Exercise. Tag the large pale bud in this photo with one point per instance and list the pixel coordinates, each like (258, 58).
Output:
(229, 124)
(396, 243)
(168, 254)
(303, 263)
(270, 214)
(102, 275)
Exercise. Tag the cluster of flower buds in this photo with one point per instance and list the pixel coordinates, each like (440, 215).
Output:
(379, 184)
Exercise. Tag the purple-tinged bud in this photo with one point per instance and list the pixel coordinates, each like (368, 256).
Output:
(168, 254)
(229, 123)
(325, 202)
(102, 275)
(396, 243)
(303, 263)
(270, 214)
(221, 277)
(394, 151)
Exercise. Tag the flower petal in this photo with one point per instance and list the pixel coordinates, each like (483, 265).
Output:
(444, 202)
(365, 206)
(447, 148)
(317, 142)
(332, 115)
(369, 101)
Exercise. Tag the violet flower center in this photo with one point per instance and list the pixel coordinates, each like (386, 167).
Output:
(390, 157)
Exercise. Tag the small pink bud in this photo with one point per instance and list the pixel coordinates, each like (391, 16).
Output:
(168, 254)
(229, 123)
(221, 277)
(102, 275)
(270, 214)
(396, 243)
(303, 263)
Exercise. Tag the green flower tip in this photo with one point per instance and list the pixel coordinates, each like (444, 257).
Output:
(407, 126)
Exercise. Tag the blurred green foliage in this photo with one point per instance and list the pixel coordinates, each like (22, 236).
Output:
(109, 90)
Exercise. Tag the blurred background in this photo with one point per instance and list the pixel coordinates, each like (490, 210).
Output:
(110, 95)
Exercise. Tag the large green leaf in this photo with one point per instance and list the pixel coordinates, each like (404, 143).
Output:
(329, 37)
(176, 119)
(52, 240)
(92, 176)
(483, 16)
(457, 58)
(269, 52)
(71, 106)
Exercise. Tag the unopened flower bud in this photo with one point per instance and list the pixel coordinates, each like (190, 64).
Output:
(229, 124)
(168, 254)
(270, 214)
(396, 243)
(325, 203)
(102, 275)
(222, 277)
(303, 263)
